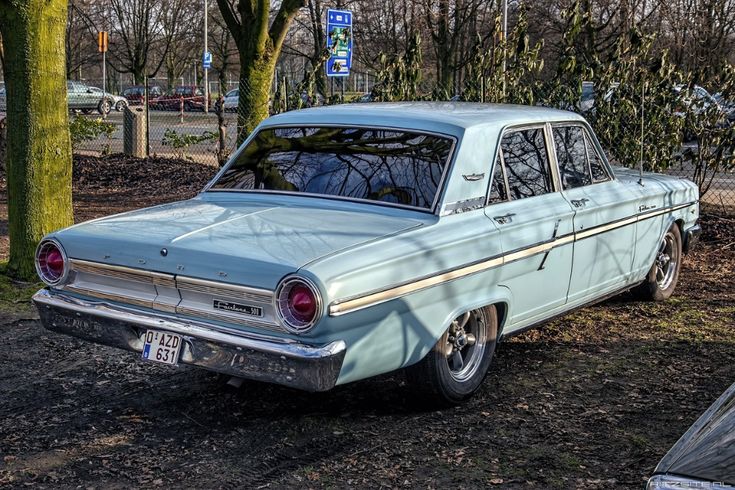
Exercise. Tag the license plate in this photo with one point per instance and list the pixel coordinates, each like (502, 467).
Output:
(162, 347)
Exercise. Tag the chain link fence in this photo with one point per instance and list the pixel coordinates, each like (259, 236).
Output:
(177, 126)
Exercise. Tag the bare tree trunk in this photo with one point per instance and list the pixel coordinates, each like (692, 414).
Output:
(3, 139)
(39, 147)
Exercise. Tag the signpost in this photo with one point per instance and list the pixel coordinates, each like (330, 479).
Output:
(102, 45)
(206, 59)
(339, 42)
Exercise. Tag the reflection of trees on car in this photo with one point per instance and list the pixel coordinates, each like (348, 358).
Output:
(374, 164)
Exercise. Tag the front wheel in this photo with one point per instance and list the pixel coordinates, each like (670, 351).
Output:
(120, 105)
(661, 280)
(104, 107)
(455, 368)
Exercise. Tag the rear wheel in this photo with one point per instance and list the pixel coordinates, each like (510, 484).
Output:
(455, 368)
(661, 280)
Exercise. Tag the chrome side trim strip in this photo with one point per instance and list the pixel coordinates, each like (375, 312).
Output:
(355, 303)
(344, 306)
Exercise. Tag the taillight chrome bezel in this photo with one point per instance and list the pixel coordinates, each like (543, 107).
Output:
(47, 278)
(286, 319)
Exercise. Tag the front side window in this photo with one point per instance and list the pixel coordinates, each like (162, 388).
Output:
(526, 163)
(386, 165)
(571, 154)
(599, 173)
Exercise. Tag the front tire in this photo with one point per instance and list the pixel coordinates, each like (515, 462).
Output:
(104, 107)
(661, 280)
(454, 369)
(120, 105)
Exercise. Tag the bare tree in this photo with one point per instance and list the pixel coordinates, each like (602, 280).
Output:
(179, 43)
(139, 42)
(81, 37)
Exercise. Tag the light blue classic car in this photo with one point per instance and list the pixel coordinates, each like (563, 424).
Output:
(344, 242)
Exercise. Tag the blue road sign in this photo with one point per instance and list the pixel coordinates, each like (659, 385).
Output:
(207, 60)
(339, 42)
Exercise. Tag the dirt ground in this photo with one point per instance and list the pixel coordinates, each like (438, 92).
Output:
(592, 400)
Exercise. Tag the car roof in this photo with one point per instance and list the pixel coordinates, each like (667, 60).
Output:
(424, 115)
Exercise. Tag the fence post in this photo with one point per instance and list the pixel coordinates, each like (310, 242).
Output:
(181, 109)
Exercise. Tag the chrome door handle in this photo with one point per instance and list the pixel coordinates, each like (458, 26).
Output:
(506, 218)
(580, 203)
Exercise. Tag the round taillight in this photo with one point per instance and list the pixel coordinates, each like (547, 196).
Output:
(298, 304)
(50, 262)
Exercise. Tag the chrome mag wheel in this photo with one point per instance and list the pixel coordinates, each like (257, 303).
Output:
(667, 261)
(463, 345)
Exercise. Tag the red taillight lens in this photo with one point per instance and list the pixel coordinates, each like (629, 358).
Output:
(302, 303)
(298, 304)
(50, 263)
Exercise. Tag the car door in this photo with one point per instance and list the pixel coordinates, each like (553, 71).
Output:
(535, 222)
(604, 222)
(72, 95)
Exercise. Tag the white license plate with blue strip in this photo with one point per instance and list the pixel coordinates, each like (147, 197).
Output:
(163, 347)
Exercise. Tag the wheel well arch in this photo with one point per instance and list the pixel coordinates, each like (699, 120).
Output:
(501, 308)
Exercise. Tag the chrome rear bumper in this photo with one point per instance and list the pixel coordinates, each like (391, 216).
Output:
(229, 351)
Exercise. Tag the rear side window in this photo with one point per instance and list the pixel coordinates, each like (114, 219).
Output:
(498, 192)
(526, 163)
(571, 153)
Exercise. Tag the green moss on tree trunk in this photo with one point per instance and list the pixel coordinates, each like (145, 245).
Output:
(39, 148)
(256, 78)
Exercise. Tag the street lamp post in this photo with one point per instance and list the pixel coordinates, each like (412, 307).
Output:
(505, 40)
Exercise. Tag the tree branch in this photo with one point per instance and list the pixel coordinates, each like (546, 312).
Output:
(285, 15)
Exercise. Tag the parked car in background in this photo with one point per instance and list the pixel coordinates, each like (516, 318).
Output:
(347, 241)
(727, 105)
(698, 99)
(135, 94)
(365, 98)
(191, 96)
(82, 97)
(232, 99)
(704, 457)
(587, 100)
(3, 103)
(117, 102)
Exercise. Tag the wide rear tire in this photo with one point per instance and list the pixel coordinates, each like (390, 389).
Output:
(457, 365)
(661, 280)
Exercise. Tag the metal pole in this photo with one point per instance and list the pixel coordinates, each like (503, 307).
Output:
(147, 117)
(104, 81)
(505, 37)
(206, 70)
(643, 108)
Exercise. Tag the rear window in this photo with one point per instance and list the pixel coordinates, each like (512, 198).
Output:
(385, 165)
